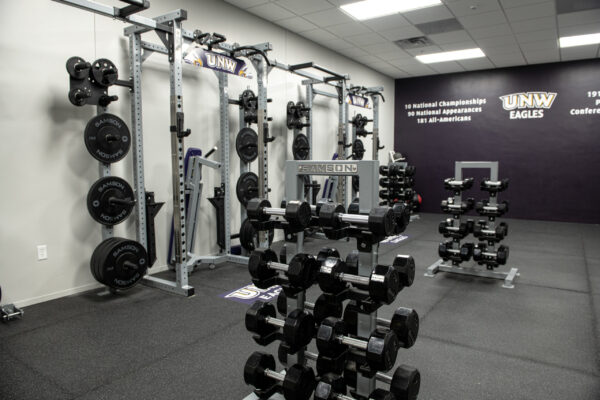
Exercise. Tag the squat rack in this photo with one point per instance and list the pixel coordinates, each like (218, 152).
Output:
(168, 28)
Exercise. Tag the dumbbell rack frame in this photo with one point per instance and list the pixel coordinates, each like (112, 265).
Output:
(374, 95)
(368, 172)
(391, 160)
(441, 266)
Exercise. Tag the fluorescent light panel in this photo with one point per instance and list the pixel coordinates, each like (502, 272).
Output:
(368, 9)
(450, 56)
(580, 40)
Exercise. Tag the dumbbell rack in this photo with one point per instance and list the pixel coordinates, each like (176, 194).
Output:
(441, 266)
(389, 200)
(367, 171)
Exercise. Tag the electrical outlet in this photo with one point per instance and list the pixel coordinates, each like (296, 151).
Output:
(42, 251)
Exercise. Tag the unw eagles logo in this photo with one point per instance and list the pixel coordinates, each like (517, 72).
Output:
(528, 105)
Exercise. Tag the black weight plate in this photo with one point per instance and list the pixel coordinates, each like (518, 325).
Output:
(290, 117)
(246, 187)
(358, 149)
(104, 72)
(249, 100)
(123, 263)
(249, 236)
(300, 147)
(104, 197)
(246, 144)
(77, 74)
(97, 256)
(107, 138)
(79, 96)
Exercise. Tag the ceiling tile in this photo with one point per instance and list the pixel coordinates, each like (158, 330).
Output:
(296, 24)
(579, 18)
(246, 3)
(271, 12)
(546, 34)
(447, 67)
(476, 63)
(355, 52)
(537, 46)
(490, 31)
(428, 14)
(403, 32)
(579, 52)
(388, 22)
(542, 56)
(506, 59)
(348, 29)
(532, 25)
(497, 41)
(462, 8)
(382, 48)
(450, 37)
(483, 20)
(403, 63)
(336, 44)
(328, 17)
(518, 3)
(418, 70)
(578, 30)
(533, 11)
(459, 46)
(366, 39)
(441, 26)
(501, 49)
(568, 6)
(305, 6)
(424, 50)
(397, 54)
(318, 35)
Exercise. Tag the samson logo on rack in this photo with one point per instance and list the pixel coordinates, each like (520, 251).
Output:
(528, 105)
(329, 169)
(219, 62)
(358, 101)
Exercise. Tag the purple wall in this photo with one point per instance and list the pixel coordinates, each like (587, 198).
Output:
(553, 162)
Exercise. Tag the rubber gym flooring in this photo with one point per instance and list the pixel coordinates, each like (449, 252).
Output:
(478, 340)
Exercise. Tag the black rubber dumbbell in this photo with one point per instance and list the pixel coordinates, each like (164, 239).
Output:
(448, 206)
(448, 229)
(381, 349)
(448, 252)
(380, 221)
(298, 383)
(301, 272)
(333, 387)
(483, 232)
(297, 213)
(494, 186)
(397, 170)
(486, 209)
(483, 255)
(404, 383)
(458, 185)
(299, 327)
(383, 284)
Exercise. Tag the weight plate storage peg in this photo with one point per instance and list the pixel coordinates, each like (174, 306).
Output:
(110, 200)
(119, 263)
(246, 187)
(107, 138)
(300, 147)
(246, 144)
(104, 72)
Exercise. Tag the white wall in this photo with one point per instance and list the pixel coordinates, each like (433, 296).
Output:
(46, 171)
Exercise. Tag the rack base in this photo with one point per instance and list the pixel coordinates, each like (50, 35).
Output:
(508, 277)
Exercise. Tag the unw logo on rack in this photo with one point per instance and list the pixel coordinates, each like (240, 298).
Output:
(528, 105)
(199, 57)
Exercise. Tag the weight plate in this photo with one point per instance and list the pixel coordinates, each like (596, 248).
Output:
(104, 72)
(99, 254)
(358, 149)
(249, 100)
(120, 263)
(77, 73)
(246, 144)
(249, 236)
(290, 119)
(107, 138)
(79, 96)
(246, 187)
(300, 147)
(110, 200)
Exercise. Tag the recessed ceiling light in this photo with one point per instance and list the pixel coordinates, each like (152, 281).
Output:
(368, 9)
(450, 56)
(580, 40)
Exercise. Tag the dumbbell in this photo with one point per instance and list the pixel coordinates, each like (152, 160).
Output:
(299, 326)
(333, 387)
(448, 229)
(484, 208)
(383, 285)
(298, 383)
(448, 252)
(458, 185)
(397, 169)
(482, 231)
(448, 206)
(482, 255)
(380, 221)
(404, 194)
(402, 214)
(301, 271)
(381, 349)
(494, 186)
(297, 213)
(397, 183)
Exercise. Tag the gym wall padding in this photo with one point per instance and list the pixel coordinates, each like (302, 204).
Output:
(553, 161)
(47, 171)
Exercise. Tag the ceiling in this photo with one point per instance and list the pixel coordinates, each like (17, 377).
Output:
(510, 32)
